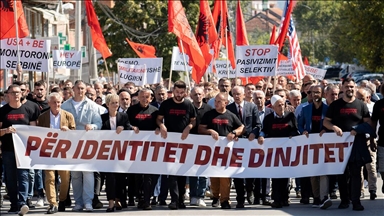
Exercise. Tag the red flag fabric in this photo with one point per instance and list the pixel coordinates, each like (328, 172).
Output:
(220, 16)
(241, 32)
(178, 24)
(97, 35)
(284, 24)
(142, 50)
(8, 24)
(306, 62)
(272, 39)
(205, 35)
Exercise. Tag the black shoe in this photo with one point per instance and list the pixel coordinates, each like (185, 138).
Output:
(240, 205)
(225, 205)
(140, 204)
(154, 201)
(344, 205)
(276, 205)
(110, 209)
(372, 195)
(215, 202)
(52, 209)
(285, 203)
(68, 202)
(304, 201)
(13, 210)
(118, 208)
(173, 206)
(266, 202)
(123, 205)
(316, 203)
(147, 206)
(182, 206)
(131, 203)
(30, 204)
(250, 198)
(333, 195)
(96, 204)
(326, 203)
(162, 203)
(357, 206)
(61, 206)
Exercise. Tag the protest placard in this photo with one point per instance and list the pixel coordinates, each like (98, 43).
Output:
(285, 68)
(132, 73)
(317, 73)
(256, 60)
(154, 67)
(34, 54)
(197, 155)
(222, 69)
(65, 59)
(177, 63)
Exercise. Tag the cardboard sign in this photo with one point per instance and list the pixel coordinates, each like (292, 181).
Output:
(285, 68)
(256, 60)
(317, 73)
(222, 68)
(132, 73)
(154, 67)
(66, 59)
(34, 54)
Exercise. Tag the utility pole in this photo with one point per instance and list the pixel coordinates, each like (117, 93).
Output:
(76, 74)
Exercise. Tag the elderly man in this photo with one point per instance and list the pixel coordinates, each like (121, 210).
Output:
(283, 94)
(224, 87)
(280, 123)
(99, 90)
(160, 96)
(87, 117)
(331, 93)
(295, 98)
(56, 118)
(221, 122)
(282, 80)
(91, 93)
(125, 100)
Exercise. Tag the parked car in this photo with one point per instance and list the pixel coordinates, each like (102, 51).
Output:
(332, 73)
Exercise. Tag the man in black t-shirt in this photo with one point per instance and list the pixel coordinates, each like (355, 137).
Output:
(40, 91)
(221, 122)
(17, 180)
(178, 115)
(142, 116)
(341, 116)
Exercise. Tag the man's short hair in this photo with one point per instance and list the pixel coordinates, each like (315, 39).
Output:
(124, 90)
(41, 83)
(294, 93)
(54, 95)
(12, 86)
(347, 80)
(180, 84)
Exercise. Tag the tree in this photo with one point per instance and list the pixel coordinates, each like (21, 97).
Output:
(142, 22)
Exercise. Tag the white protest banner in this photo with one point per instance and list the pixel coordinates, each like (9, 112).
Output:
(222, 69)
(132, 73)
(177, 63)
(34, 54)
(285, 68)
(197, 155)
(66, 59)
(317, 73)
(154, 67)
(256, 60)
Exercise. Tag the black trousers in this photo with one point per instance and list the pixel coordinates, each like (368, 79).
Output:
(332, 183)
(350, 183)
(240, 190)
(163, 188)
(257, 184)
(145, 186)
(131, 187)
(97, 185)
(280, 189)
(306, 188)
(114, 184)
(177, 188)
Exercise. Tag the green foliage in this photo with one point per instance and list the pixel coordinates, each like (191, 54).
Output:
(143, 22)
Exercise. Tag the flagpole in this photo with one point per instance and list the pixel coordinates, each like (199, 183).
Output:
(17, 31)
(185, 64)
(226, 35)
(106, 67)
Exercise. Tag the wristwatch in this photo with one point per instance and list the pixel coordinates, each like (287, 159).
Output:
(234, 132)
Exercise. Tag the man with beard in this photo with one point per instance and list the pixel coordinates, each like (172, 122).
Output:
(342, 115)
(178, 115)
(87, 117)
(143, 116)
(311, 121)
(40, 91)
(221, 122)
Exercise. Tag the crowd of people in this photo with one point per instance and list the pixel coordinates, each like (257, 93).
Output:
(253, 111)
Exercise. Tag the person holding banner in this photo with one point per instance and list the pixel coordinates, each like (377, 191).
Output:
(178, 115)
(342, 116)
(280, 123)
(114, 120)
(87, 117)
(143, 116)
(17, 180)
(56, 118)
(310, 121)
(221, 122)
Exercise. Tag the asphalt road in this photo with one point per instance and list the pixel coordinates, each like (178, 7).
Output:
(375, 207)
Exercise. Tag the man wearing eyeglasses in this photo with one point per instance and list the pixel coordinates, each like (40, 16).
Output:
(308, 80)
(17, 180)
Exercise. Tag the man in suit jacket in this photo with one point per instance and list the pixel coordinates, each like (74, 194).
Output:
(56, 118)
(259, 100)
(248, 115)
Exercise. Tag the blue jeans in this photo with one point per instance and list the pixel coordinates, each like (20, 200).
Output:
(197, 186)
(83, 187)
(38, 184)
(23, 180)
(10, 172)
(31, 183)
